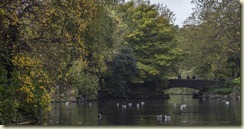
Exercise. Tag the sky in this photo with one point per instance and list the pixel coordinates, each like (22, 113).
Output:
(181, 8)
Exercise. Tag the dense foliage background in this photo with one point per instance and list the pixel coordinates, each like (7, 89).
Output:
(58, 50)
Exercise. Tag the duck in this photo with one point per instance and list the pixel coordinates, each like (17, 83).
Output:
(99, 116)
(117, 104)
(67, 103)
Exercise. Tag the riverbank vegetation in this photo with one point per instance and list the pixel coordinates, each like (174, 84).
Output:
(88, 49)
(231, 87)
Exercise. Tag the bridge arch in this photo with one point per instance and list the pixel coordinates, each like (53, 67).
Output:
(177, 87)
(181, 91)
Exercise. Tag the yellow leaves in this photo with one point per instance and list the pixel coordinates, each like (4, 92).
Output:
(45, 98)
(33, 81)
(27, 88)
(32, 97)
(82, 27)
(52, 11)
(2, 11)
(29, 93)
(26, 61)
(42, 87)
(35, 94)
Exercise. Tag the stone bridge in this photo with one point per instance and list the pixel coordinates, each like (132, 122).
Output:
(202, 85)
(152, 89)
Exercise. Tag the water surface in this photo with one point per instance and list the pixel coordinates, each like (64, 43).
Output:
(209, 112)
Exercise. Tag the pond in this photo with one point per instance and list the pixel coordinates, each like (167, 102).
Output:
(196, 112)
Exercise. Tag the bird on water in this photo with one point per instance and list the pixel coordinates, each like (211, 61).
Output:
(99, 116)
(167, 118)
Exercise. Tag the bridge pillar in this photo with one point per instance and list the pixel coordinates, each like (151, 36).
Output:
(197, 95)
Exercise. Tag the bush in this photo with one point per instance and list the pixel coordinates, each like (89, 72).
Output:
(83, 83)
(86, 84)
(236, 83)
(222, 91)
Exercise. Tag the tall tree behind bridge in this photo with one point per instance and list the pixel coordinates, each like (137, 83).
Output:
(211, 36)
(151, 36)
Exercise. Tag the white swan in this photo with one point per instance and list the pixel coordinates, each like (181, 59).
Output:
(167, 117)
(124, 106)
(227, 102)
(159, 116)
(117, 104)
(138, 105)
(67, 103)
(100, 116)
(142, 103)
(130, 104)
(183, 106)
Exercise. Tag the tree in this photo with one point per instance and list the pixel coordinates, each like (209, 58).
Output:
(166, 13)
(151, 37)
(120, 74)
(214, 31)
(37, 41)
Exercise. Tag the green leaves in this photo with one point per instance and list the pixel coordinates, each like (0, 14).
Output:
(214, 39)
(151, 37)
(120, 73)
(39, 42)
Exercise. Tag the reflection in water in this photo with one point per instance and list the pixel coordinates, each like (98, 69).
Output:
(179, 110)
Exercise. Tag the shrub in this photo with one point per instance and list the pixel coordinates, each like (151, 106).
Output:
(236, 83)
(222, 91)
